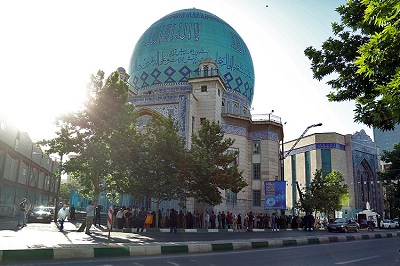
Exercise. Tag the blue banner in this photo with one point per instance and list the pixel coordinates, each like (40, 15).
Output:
(275, 195)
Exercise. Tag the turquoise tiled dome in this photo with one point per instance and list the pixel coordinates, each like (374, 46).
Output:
(171, 48)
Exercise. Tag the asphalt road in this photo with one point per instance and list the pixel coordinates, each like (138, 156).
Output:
(371, 252)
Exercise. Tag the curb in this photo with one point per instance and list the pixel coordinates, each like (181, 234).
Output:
(127, 251)
(180, 230)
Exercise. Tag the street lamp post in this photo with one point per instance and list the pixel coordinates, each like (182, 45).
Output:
(286, 154)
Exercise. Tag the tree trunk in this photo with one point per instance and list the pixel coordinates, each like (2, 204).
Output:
(204, 216)
(158, 203)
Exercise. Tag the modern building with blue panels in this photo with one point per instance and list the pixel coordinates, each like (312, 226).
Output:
(353, 155)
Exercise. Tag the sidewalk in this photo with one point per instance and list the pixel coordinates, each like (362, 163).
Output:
(8, 223)
(50, 244)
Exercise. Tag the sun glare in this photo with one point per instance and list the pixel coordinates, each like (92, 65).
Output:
(35, 112)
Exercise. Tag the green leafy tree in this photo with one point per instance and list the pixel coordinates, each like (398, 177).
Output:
(362, 62)
(65, 190)
(60, 145)
(325, 193)
(213, 165)
(390, 178)
(306, 203)
(162, 175)
(92, 134)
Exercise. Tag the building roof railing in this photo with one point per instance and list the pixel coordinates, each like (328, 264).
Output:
(266, 117)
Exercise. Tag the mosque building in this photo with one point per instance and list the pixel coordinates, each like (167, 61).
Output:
(192, 65)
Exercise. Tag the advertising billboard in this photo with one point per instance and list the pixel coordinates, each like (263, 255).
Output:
(275, 195)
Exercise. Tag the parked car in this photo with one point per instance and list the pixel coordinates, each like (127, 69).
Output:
(386, 223)
(343, 225)
(41, 214)
(396, 222)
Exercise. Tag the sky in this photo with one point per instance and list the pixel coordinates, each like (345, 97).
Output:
(49, 49)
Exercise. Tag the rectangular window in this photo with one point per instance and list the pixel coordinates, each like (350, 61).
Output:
(204, 88)
(192, 124)
(256, 198)
(294, 179)
(326, 161)
(219, 92)
(308, 169)
(230, 196)
(256, 147)
(256, 171)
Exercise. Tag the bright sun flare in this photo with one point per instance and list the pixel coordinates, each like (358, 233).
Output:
(34, 112)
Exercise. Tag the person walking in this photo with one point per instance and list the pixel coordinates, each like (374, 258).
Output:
(63, 214)
(89, 217)
(23, 205)
(239, 222)
(173, 221)
(120, 218)
(207, 220)
(273, 222)
(141, 217)
(97, 215)
(213, 217)
(251, 222)
(223, 219)
(72, 212)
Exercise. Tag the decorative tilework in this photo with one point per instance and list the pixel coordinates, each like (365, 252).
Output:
(263, 135)
(361, 137)
(235, 130)
(361, 147)
(161, 88)
(316, 146)
(155, 74)
(237, 97)
(172, 47)
(241, 131)
(175, 104)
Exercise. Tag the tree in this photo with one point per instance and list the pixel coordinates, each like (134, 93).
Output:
(325, 193)
(390, 178)
(92, 134)
(306, 203)
(162, 175)
(213, 165)
(65, 190)
(362, 61)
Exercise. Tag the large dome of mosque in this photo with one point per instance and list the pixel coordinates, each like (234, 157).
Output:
(170, 50)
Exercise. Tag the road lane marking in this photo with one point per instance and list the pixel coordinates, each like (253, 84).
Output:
(351, 261)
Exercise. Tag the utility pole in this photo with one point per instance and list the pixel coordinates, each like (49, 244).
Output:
(286, 154)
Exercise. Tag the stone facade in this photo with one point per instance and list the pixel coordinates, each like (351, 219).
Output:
(203, 100)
